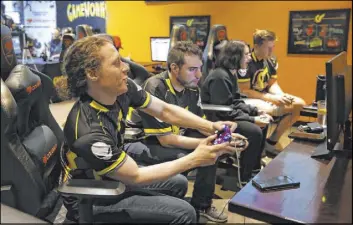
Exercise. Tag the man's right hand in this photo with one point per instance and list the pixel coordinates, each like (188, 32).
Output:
(280, 100)
(207, 154)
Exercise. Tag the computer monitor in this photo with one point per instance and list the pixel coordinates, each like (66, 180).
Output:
(159, 48)
(338, 106)
(17, 45)
(338, 97)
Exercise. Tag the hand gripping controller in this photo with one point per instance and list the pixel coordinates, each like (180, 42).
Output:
(225, 135)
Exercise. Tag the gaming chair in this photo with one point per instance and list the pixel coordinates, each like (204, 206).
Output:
(83, 30)
(218, 33)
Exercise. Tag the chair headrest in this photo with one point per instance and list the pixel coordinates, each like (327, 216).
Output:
(67, 30)
(217, 35)
(178, 33)
(22, 82)
(8, 57)
(83, 30)
(8, 103)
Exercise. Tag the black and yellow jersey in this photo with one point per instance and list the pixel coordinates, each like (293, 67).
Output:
(161, 87)
(94, 132)
(259, 73)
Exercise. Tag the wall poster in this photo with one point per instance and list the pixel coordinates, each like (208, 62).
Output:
(318, 31)
(197, 28)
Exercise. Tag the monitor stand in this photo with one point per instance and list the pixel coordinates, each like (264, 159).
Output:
(342, 150)
(321, 152)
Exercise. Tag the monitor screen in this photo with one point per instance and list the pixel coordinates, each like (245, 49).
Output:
(16, 45)
(159, 48)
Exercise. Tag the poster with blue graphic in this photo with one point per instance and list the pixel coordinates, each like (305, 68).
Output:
(39, 21)
(73, 13)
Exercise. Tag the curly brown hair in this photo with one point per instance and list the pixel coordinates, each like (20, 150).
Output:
(82, 56)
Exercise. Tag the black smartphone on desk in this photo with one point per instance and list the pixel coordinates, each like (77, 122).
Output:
(275, 183)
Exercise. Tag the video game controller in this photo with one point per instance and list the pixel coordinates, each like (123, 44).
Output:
(265, 119)
(224, 135)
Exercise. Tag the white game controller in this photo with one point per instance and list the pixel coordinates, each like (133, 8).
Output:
(265, 119)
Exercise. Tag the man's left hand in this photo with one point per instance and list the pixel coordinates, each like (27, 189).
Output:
(219, 125)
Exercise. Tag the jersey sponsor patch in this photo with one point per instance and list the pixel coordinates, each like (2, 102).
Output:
(102, 151)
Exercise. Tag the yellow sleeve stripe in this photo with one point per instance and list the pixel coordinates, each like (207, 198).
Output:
(147, 101)
(76, 124)
(274, 76)
(158, 131)
(114, 165)
(243, 80)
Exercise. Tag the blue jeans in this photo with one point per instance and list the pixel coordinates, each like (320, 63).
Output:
(204, 185)
(165, 205)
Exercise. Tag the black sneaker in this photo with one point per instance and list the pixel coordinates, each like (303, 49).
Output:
(212, 214)
(271, 150)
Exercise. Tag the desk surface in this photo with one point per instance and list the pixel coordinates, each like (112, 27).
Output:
(325, 193)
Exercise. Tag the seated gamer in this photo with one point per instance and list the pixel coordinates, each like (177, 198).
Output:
(220, 88)
(166, 142)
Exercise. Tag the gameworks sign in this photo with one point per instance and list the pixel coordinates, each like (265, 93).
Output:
(73, 13)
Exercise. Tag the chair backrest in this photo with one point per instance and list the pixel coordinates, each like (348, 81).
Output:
(18, 168)
(83, 30)
(218, 33)
(178, 33)
(67, 40)
(8, 57)
(32, 140)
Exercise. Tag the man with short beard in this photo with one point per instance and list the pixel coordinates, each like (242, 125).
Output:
(166, 142)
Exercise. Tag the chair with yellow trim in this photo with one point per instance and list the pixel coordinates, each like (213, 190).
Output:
(31, 141)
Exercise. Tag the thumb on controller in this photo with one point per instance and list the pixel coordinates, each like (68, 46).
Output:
(209, 139)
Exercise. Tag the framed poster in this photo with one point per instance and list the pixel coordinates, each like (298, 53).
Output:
(197, 28)
(318, 31)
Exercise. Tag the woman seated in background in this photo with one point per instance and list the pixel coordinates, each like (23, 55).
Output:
(220, 87)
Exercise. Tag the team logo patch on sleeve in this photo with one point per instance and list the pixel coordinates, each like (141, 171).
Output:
(102, 151)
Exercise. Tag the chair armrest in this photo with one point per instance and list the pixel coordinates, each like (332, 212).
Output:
(210, 107)
(91, 189)
(243, 95)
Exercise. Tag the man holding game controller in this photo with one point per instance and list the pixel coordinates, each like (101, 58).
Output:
(94, 140)
(166, 142)
(260, 84)
(221, 88)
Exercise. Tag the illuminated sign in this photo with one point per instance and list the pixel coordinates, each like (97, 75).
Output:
(86, 9)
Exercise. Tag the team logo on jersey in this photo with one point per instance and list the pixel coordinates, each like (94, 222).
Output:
(260, 79)
(102, 151)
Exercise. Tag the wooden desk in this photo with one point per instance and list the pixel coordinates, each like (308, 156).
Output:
(325, 193)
